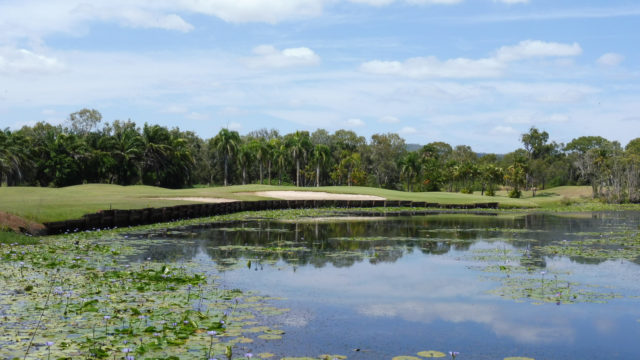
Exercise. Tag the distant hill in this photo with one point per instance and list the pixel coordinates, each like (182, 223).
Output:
(415, 147)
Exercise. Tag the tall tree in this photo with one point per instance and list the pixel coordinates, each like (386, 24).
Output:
(410, 167)
(298, 145)
(245, 158)
(226, 143)
(83, 121)
(386, 152)
(261, 152)
(321, 155)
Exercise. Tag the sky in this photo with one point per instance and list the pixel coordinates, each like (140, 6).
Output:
(467, 72)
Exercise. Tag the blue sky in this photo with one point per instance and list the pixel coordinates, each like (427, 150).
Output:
(473, 72)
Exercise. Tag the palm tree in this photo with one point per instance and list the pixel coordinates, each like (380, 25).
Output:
(280, 155)
(271, 148)
(320, 155)
(261, 151)
(245, 157)
(157, 147)
(126, 147)
(226, 142)
(410, 167)
(13, 157)
(298, 145)
(491, 175)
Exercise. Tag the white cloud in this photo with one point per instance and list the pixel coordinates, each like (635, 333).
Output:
(194, 115)
(463, 68)
(235, 126)
(431, 67)
(610, 59)
(501, 323)
(269, 11)
(352, 123)
(175, 109)
(415, 2)
(512, 1)
(389, 120)
(13, 61)
(269, 56)
(529, 49)
(408, 130)
(503, 130)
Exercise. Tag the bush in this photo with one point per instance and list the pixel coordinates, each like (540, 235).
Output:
(490, 192)
(466, 191)
(566, 201)
(515, 194)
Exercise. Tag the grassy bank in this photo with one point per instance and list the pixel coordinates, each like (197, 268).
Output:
(50, 204)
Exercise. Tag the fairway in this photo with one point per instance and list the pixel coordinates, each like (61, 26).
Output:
(51, 204)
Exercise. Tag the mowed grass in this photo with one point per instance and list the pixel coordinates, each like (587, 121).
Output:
(556, 196)
(55, 204)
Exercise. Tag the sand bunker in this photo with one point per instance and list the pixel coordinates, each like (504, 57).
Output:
(332, 219)
(199, 199)
(313, 195)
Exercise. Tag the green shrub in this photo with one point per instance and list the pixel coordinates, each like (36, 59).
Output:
(515, 194)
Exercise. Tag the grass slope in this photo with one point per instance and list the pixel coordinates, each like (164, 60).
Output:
(50, 204)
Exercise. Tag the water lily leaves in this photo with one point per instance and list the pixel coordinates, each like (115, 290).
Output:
(331, 357)
(431, 354)
(270, 337)
(266, 355)
(242, 340)
(405, 357)
(256, 329)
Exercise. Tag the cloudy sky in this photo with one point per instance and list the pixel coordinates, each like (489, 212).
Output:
(474, 72)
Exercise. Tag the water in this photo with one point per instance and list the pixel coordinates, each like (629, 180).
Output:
(379, 288)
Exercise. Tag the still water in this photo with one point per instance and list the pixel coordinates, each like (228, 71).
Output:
(489, 287)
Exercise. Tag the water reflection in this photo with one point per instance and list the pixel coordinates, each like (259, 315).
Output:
(556, 331)
(397, 285)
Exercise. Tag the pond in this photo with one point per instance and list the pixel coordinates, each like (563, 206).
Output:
(539, 286)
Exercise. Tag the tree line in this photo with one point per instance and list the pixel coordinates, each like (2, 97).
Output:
(123, 153)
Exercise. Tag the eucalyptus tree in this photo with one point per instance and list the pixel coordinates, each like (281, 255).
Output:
(386, 151)
(590, 154)
(227, 143)
(82, 122)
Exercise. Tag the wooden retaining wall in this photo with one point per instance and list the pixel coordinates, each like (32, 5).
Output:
(121, 218)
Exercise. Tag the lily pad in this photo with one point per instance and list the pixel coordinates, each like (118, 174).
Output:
(270, 337)
(405, 357)
(431, 354)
